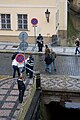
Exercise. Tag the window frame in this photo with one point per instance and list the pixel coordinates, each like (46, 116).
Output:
(5, 21)
(23, 20)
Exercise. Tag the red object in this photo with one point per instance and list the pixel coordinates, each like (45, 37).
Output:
(20, 58)
(34, 21)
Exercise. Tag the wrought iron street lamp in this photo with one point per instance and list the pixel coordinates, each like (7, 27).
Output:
(47, 14)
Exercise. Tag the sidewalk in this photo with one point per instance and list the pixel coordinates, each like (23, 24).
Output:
(34, 48)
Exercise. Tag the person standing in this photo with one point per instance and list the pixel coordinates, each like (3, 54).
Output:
(21, 87)
(40, 42)
(15, 68)
(77, 43)
(29, 66)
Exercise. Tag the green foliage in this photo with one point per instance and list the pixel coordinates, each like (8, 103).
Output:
(71, 30)
(72, 33)
(42, 111)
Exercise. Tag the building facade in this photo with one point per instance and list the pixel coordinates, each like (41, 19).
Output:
(16, 16)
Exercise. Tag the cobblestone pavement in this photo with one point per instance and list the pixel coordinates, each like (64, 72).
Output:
(66, 66)
(9, 105)
(60, 83)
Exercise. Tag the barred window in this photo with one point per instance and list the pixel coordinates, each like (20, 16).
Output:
(5, 21)
(22, 22)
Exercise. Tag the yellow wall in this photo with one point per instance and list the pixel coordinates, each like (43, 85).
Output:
(29, 2)
(35, 9)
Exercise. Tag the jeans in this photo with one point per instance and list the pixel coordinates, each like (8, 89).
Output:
(77, 50)
(48, 68)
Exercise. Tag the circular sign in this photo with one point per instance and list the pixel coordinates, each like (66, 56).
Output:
(20, 58)
(34, 21)
(23, 46)
(23, 36)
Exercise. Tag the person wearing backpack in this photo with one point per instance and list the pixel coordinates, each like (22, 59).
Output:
(53, 55)
(48, 63)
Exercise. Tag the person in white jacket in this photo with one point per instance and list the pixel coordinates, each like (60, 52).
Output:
(15, 68)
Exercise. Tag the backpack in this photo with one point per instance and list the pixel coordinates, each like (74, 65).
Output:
(48, 59)
(53, 55)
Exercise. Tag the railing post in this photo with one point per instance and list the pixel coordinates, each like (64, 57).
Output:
(38, 80)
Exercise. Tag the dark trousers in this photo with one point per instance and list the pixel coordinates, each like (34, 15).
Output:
(21, 94)
(77, 50)
(29, 70)
(21, 88)
(39, 48)
(15, 68)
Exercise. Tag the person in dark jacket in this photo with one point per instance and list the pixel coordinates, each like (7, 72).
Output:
(40, 42)
(21, 88)
(29, 66)
(77, 43)
(48, 63)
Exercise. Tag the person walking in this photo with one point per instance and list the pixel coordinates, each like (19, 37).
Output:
(47, 50)
(21, 87)
(77, 43)
(40, 42)
(48, 63)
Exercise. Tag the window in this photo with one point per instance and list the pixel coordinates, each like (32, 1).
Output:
(22, 22)
(5, 21)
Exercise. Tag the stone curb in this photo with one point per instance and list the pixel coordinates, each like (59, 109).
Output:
(34, 53)
(4, 77)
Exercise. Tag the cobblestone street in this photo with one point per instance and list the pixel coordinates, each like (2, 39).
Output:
(9, 104)
(66, 65)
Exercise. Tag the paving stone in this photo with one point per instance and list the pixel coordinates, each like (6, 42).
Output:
(12, 98)
(6, 86)
(14, 92)
(4, 112)
(8, 105)
(1, 97)
(3, 91)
